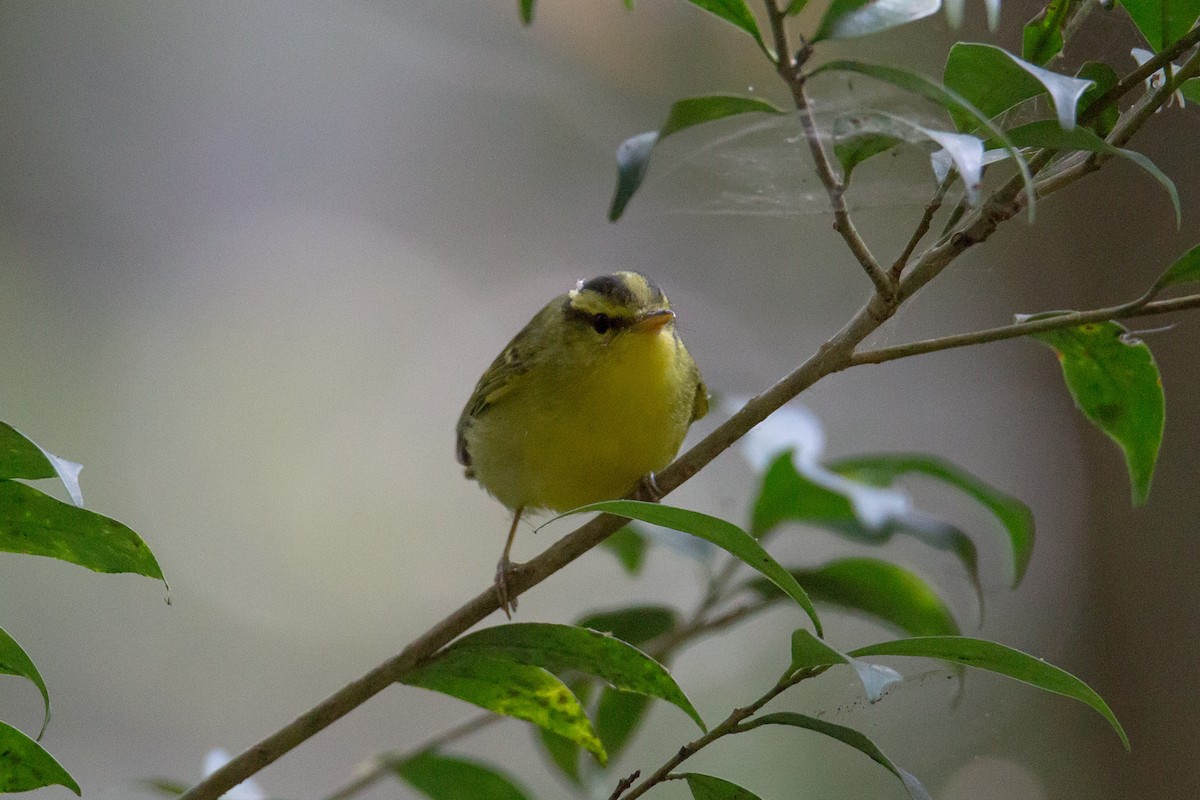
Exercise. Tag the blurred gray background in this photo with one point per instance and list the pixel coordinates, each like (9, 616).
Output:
(254, 255)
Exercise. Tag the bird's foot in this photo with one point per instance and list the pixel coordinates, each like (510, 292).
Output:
(504, 570)
(647, 489)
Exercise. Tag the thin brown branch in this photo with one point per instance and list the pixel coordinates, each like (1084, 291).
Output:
(385, 764)
(1019, 329)
(729, 725)
(789, 71)
(1139, 75)
(931, 208)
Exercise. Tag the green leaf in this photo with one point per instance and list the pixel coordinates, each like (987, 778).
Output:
(855, 739)
(1162, 22)
(635, 624)
(525, 9)
(497, 683)
(441, 777)
(633, 154)
(14, 661)
(998, 658)
(707, 787)
(1191, 89)
(36, 524)
(946, 97)
(617, 716)
(854, 144)
(1012, 514)
(629, 546)
(995, 80)
(1115, 383)
(725, 535)
(874, 132)
(879, 588)
(25, 766)
(809, 652)
(21, 458)
(846, 19)
(795, 7)
(1103, 78)
(1185, 270)
(1042, 39)
(1046, 134)
(563, 753)
(566, 647)
(737, 13)
(787, 496)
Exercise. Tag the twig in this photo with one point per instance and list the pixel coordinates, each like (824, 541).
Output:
(931, 208)
(728, 726)
(788, 67)
(385, 764)
(1023, 329)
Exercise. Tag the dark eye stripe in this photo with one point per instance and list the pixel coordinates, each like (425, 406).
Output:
(612, 323)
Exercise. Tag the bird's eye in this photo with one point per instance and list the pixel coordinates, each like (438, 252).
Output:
(601, 323)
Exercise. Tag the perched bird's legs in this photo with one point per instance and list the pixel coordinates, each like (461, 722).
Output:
(647, 489)
(504, 568)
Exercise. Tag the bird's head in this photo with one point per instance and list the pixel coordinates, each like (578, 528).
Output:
(623, 301)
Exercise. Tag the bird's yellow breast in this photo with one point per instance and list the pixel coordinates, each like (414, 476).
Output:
(570, 436)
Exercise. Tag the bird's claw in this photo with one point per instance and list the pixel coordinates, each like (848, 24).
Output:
(504, 569)
(647, 489)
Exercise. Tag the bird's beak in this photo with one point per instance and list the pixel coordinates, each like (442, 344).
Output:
(654, 320)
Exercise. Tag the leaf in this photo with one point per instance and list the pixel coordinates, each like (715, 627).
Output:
(1191, 89)
(795, 7)
(633, 154)
(1011, 513)
(855, 739)
(440, 777)
(809, 652)
(849, 18)
(945, 96)
(25, 766)
(499, 684)
(878, 131)
(525, 9)
(1162, 22)
(725, 535)
(14, 661)
(787, 496)
(634, 625)
(1103, 78)
(1042, 39)
(995, 80)
(737, 13)
(707, 787)
(852, 144)
(629, 546)
(617, 716)
(879, 588)
(1115, 383)
(563, 753)
(1046, 134)
(566, 647)
(36, 524)
(1185, 270)
(998, 658)
(20, 457)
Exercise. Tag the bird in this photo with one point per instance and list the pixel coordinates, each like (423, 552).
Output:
(591, 398)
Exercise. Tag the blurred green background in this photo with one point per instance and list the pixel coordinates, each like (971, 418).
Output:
(253, 257)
